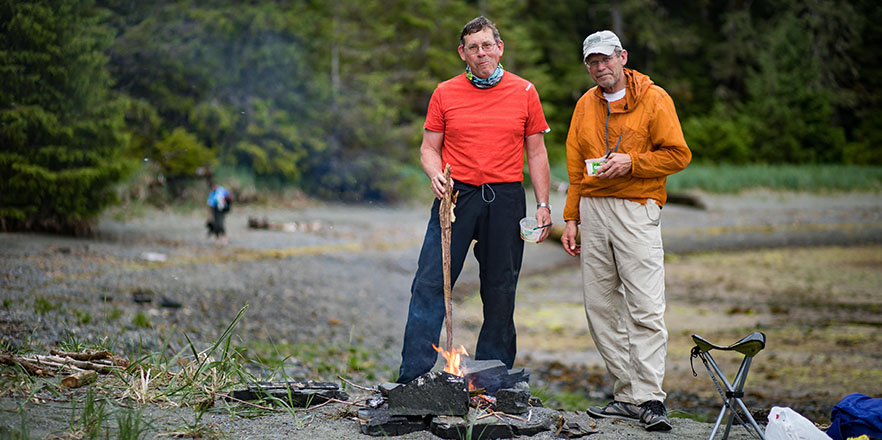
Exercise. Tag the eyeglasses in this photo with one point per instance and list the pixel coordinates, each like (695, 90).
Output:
(473, 48)
(596, 63)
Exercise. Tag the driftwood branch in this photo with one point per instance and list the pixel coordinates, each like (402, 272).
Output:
(88, 355)
(103, 366)
(93, 355)
(29, 367)
(445, 211)
(80, 378)
(363, 388)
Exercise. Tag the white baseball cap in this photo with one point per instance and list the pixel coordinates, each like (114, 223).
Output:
(602, 42)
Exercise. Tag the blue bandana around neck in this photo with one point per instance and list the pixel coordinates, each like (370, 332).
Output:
(483, 83)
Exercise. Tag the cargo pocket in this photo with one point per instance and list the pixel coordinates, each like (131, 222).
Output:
(653, 212)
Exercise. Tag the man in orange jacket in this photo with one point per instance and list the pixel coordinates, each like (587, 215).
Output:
(624, 140)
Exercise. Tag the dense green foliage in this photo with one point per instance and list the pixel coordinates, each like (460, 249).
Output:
(61, 126)
(331, 96)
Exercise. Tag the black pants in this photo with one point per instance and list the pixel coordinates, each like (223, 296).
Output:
(489, 214)
(216, 226)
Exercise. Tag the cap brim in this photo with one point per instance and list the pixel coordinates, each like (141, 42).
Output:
(603, 50)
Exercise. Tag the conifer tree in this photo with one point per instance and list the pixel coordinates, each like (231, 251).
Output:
(61, 129)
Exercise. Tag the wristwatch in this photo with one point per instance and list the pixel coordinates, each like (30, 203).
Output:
(544, 205)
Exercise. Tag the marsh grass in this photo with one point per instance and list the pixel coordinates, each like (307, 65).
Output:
(192, 377)
(798, 178)
(733, 179)
(88, 422)
(22, 432)
(197, 429)
(130, 424)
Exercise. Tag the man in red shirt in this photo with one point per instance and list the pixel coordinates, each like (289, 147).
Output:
(481, 122)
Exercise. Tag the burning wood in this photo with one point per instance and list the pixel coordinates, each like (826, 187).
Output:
(453, 358)
(440, 403)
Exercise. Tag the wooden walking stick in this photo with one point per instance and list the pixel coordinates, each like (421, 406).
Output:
(445, 211)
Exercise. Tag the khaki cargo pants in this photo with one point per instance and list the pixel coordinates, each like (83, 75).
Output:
(624, 292)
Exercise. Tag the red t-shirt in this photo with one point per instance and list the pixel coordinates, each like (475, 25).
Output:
(484, 129)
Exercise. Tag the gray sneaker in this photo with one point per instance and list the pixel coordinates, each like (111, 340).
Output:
(616, 410)
(654, 416)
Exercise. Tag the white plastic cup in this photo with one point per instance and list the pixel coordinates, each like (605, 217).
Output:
(592, 165)
(529, 232)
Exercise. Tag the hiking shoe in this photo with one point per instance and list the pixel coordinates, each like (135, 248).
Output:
(616, 410)
(654, 416)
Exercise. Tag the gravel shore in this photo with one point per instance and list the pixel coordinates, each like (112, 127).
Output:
(335, 275)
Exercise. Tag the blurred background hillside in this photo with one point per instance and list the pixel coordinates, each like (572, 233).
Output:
(122, 101)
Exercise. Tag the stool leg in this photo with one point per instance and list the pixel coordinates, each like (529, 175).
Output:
(734, 391)
(731, 419)
(717, 424)
(722, 377)
(750, 419)
(740, 379)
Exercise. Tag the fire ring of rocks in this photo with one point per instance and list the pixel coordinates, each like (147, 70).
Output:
(499, 405)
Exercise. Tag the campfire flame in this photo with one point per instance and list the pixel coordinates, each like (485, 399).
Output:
(454, 359)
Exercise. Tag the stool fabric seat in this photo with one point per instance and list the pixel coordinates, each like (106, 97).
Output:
(749, 346)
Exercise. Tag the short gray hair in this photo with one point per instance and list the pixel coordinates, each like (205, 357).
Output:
(477, 25)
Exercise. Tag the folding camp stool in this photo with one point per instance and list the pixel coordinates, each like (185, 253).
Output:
(749, 346)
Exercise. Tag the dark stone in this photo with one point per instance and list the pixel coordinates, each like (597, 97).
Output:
(485, 374)
(577, 425)
(515, 400)
(492, 375)
(142, 296)
(488, 367)
(536, 402)
(301, 394)
(515, 376)
(378, 422)
(375, 401)
(169, 303)
(537, 420)
(452, 427)
(386, 386)
(434, 393)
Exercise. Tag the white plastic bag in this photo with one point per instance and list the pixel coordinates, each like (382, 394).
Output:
(787, 424)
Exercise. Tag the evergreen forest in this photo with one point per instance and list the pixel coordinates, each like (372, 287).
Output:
(330, 96)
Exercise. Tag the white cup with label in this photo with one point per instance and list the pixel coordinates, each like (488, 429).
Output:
(592, 165)
(530, 231)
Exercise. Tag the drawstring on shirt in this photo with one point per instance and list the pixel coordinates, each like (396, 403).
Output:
(607, 133)
(492, 193)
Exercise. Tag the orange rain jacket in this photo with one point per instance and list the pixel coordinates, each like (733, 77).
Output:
(650, 132)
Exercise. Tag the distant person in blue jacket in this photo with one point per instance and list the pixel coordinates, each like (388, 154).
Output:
(219, 201)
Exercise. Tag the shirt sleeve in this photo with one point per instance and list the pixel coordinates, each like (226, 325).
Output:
(536, 122)
(434, 114)
(670, 153)
(575, 166)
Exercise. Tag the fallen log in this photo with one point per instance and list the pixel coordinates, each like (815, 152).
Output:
(80, 378)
